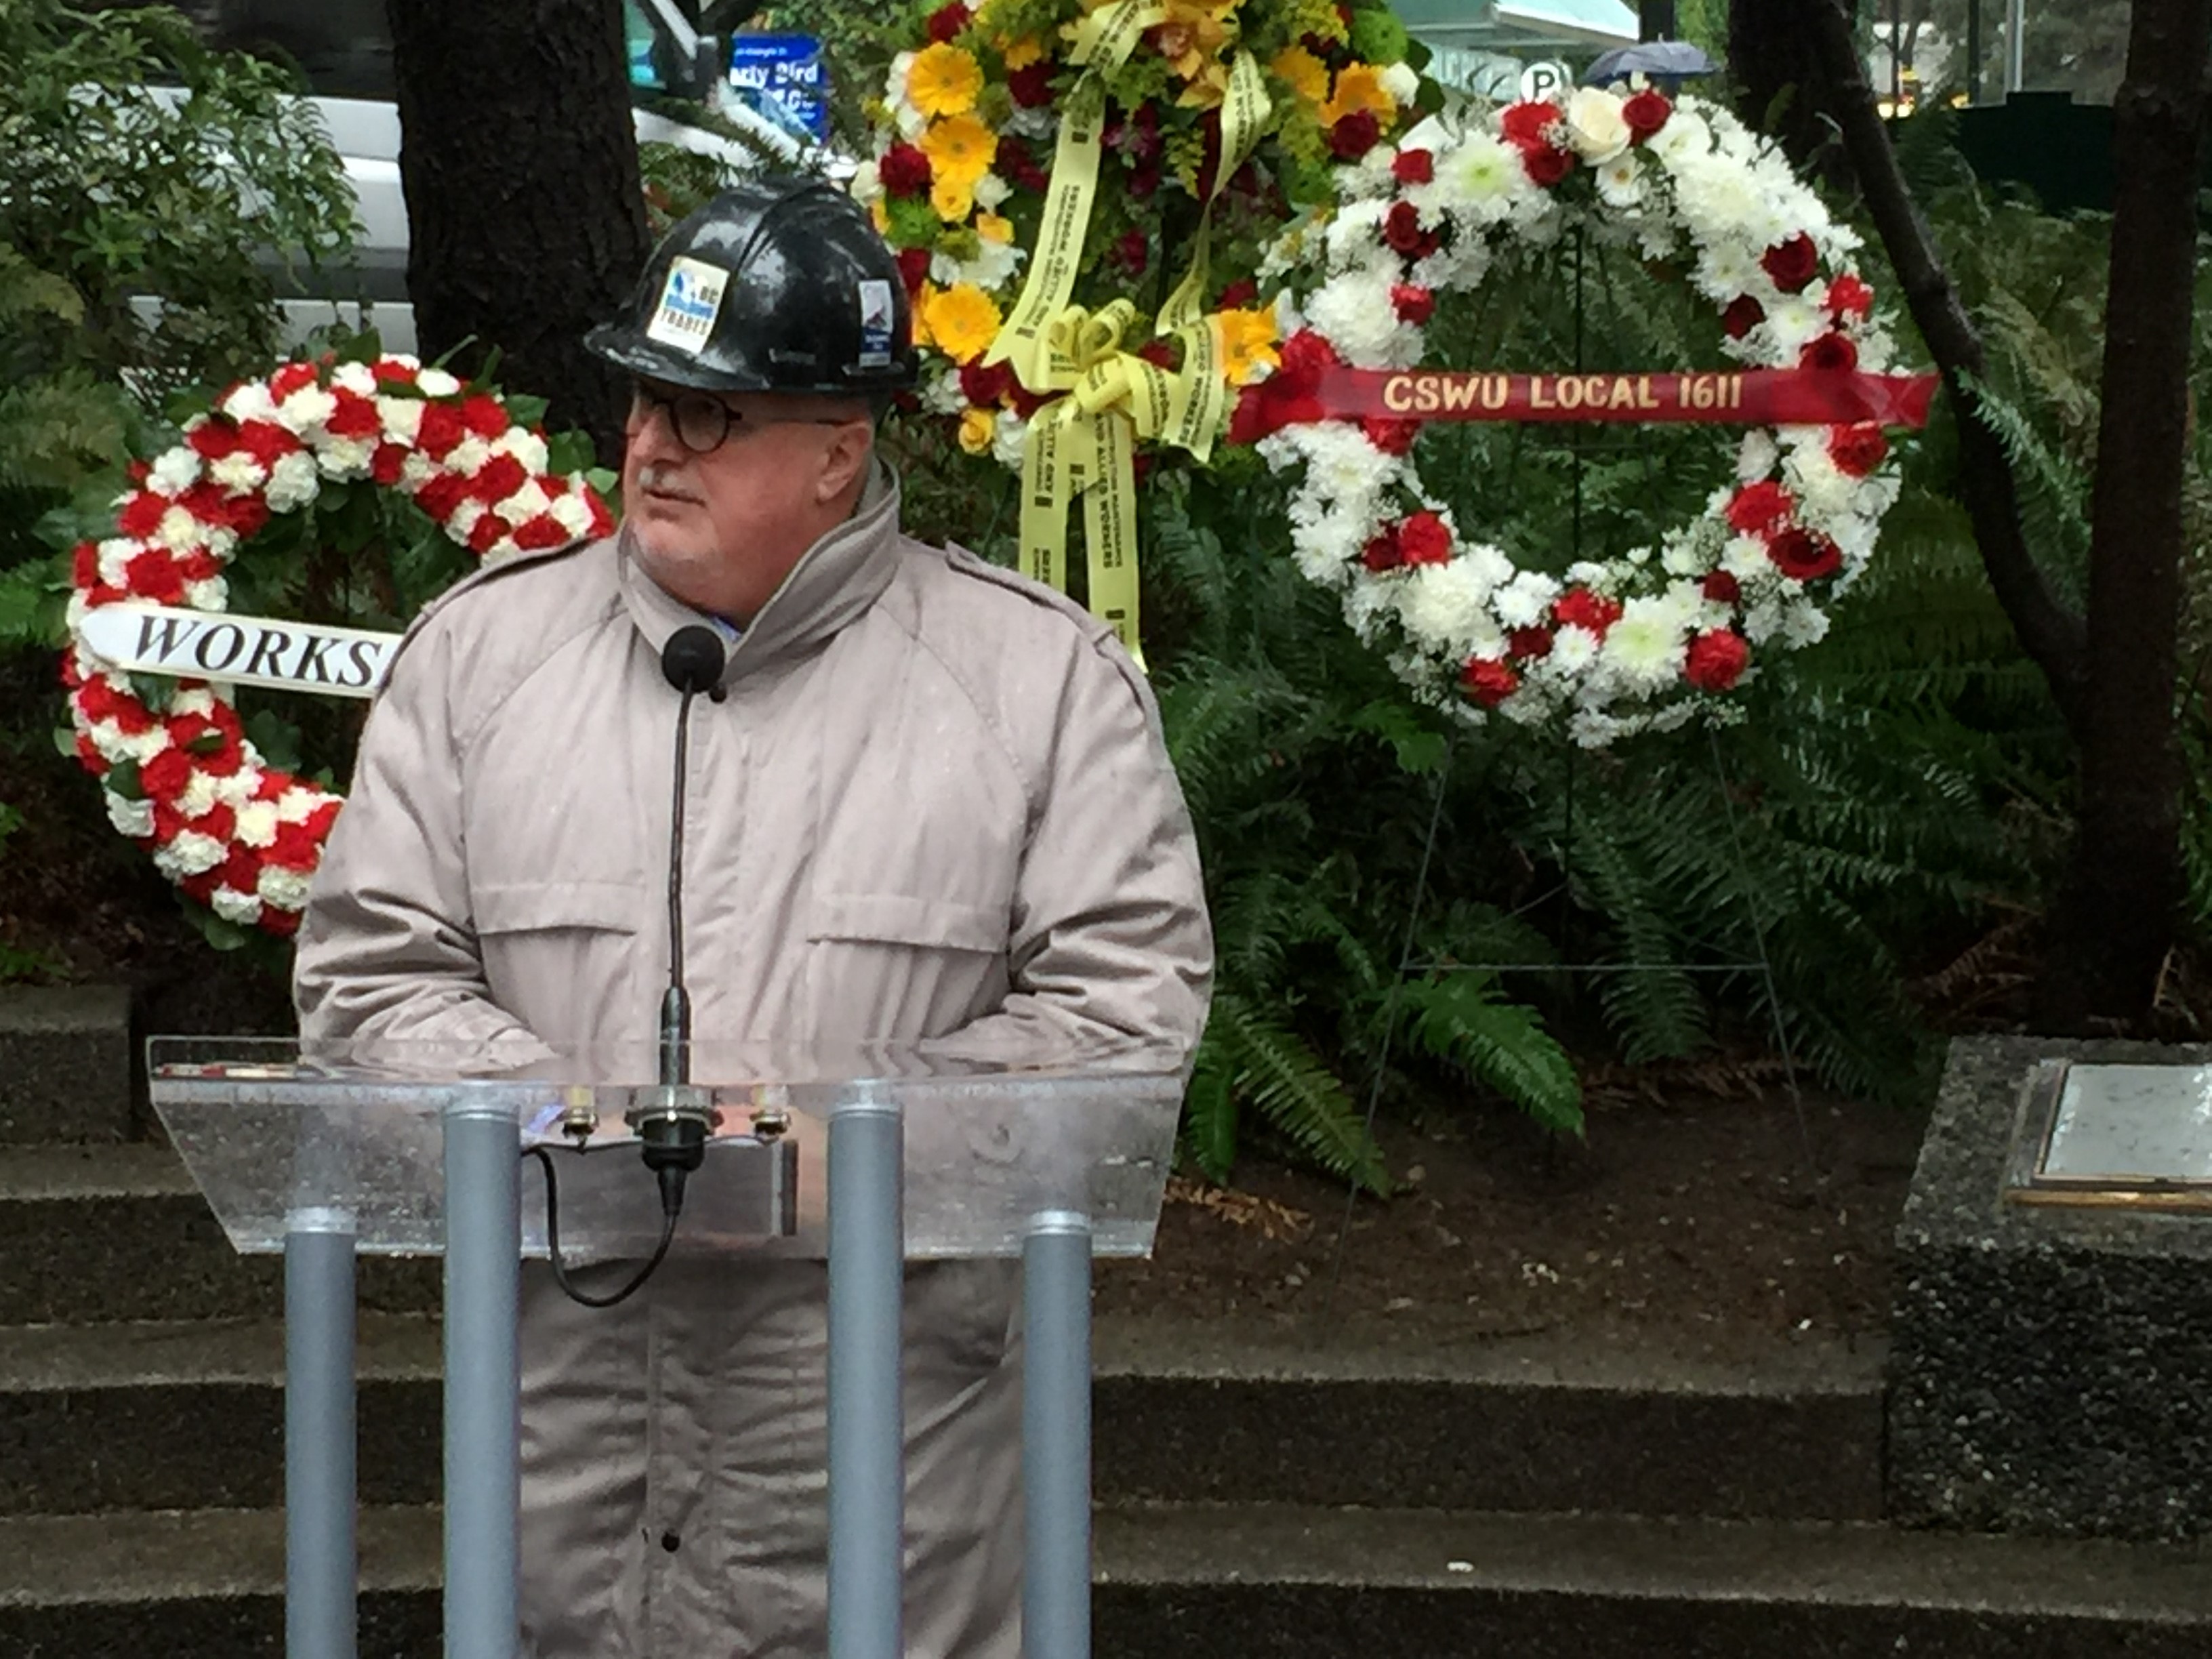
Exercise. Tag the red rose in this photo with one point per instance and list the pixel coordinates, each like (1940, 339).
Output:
(1528, 643)
(904, 171)
(355, 417)
(1132, 251)
(1792, 263)
(496, 479)
(1528, 124)
(212, 440)
(1413, 166)
(1382, 553)
(1742, 316)
(440, 430)
(1759, 507)
(984, 384)
(1848, 296)
(141, 514)
(1239, 295)
(1424, 539)
(913, 269)
(1721, 587)
(947, 21)
(1401, 229)
(385, 464)
(1831, 351)
(1578, 607)
(1717, 659)
(1804, 557)
(1645, 112)
(1488, 680)
(1857, 450)
(266, 442)
(1391, 437)
(1545, 165)
(1031, 84)
(441, 496)
(482, 415)
(1306, 354)
(154, 575)
(1354, 135)
(1414, 303)
(485, 533)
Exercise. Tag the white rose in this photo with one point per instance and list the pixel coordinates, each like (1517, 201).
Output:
(1595, 127)
(867, 182)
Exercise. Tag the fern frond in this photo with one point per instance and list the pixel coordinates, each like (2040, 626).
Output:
(1274, 1071)
(1502, 1045)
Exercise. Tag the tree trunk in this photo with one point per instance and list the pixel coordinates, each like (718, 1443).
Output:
(525, 217)
(1655, 19)
(1776, 71)
(2115, 922)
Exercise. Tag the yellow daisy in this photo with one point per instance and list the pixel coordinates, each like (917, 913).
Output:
(960, 149)
(993, 228)
(1302, 72)
(1248, 341)
(978, 428)
(1020, 54)
(943, 80)
(1358, 86)
(963, 320)
(954, 199)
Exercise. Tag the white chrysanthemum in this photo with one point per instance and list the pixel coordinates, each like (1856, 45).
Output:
(1342, 466)
(237, 472)
(1445, 607)
(1330, 541)
(1525, 600)
(285, 889)
(257, 823)
(1010, 440)
(345, 457)
(1402, 84)
(1481, 178)
(994, 268)
(1596, 129)
(571, 513)
(1620, 180)
(134, 818)
(242, 909)
(436, 383)
(1369, 177)
(1762, 620)
(1367, 606)
(1758, 456)
(1823, 492)
(1041, 122)
(1804, 624)
(402, 418)
(1574, 648)
(1745, 558)
(1644, 647)
(1684, 137)
(307, 408)
(178, 471)
(191, 853)
(250, 402)
(991, 192)
(940, 392)
(1354, 238)
(1460, 263)
(292, 482)
(1353, 312)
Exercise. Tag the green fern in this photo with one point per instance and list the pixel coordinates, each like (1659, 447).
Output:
(1457, 1019)
(1253, 1054)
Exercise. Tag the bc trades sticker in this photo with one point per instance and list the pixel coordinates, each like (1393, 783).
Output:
(690, 301)
(875, 302)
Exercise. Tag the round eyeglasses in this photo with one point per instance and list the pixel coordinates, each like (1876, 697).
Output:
(702, 421)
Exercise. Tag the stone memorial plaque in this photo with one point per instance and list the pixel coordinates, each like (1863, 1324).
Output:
(2117, 1135)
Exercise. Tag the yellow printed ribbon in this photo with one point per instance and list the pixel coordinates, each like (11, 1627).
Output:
(1083, 445)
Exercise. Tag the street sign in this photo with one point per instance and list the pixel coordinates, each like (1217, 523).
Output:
(1548, 79)
(782, 77)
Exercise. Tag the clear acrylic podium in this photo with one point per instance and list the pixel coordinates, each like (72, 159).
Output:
(862, 1159)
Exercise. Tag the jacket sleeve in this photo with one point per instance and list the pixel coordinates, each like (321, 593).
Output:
(1109, 944)
(387, 951)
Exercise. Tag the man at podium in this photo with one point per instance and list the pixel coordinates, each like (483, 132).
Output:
(925, 799)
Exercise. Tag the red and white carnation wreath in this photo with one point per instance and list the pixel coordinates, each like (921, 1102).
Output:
(1649, 637)
(181, 779)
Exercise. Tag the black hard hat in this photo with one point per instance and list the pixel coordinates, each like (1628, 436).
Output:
(778, 285)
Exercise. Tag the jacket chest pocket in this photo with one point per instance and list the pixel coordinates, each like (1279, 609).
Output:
(558, 953)
(896, 966)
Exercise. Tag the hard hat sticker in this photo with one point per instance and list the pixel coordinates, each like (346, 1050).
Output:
(690, 301)
(875, 302)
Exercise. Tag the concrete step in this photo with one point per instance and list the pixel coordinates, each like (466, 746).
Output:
(65, 1064)
(90, 1234)
(1204, 1580)
(190, 1414)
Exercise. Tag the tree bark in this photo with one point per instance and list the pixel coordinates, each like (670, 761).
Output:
(525, 216)
(1780, 89)
(1655, 19)
(2052, 635)
(2116, 920)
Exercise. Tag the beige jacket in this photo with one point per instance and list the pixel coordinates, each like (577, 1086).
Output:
(934, 801)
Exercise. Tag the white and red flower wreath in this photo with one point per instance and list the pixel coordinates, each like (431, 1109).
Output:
(1653, 635)
(181, 779)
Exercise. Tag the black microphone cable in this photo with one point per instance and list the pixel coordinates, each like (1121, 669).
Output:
(673, 1130)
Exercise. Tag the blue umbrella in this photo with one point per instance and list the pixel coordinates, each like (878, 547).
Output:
(1668, 62)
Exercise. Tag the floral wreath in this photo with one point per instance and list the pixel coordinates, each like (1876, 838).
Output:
(964, 133)
(1650, 637)
(181, 778)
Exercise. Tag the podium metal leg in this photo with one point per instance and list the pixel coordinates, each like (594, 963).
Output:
(483, 1287)
(319, 1577)
(1056, 1437)
(868, 1430)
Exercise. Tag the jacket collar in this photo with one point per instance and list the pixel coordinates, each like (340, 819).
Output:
(833, 583)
